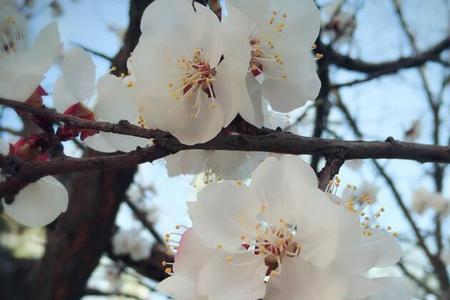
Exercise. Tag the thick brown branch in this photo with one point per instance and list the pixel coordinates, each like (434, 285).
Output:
(24, 172)
(82, 235)
(256, 140)
(259, 140)
(277, 142)
(52, 116)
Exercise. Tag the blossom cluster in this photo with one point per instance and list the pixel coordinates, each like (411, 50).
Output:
(259, 52)
(131, 242)
(220, 68)
(217, 70)
(423, 200)
(282, 238)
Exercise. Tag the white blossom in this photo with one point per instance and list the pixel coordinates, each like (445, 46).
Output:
(369, 190)
(423, 199)
(134, 193)
(22, 68)
(221, 164)
(121, 241)
(184, 85)
(189, 267)
(439, 203)
(76, 93)
(39, 203)
(150, 211)
(420, 200)
(186, 268)
(306, 244)
(152, 215)
(140, 249)
(280, 36)
(131, 242)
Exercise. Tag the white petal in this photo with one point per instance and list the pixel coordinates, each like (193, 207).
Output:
(230, 91)
(191, 254)
(99, 143)
(157, 12)
(125, 143)
(318, 231)
(282, 185)
(114, 101)
(257, 11)
(45, 49)
(237, 165)
(210, 34)
(18, 86)
(162, 60)
(152, 108)
(378, 250)
(79, 74)
(223, 214)
(189, 259)
(302, 24)
(39, 203)
(114, 104)
(241, 278)
(393, 288)
(21, 72)
(192, 130)
(179, 287)
(361, 287)
(236, 30)
(253, 112)
(190, 29)
(237, 54)
(62, 97)
(300, 280)
(301, 84)
(186, 162)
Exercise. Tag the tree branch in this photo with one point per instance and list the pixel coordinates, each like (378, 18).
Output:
(434, 260)
(80, 237)
(266, 140)
(328, 172)
(438, 172)
(388, 67)
(142, 218)
(52, 116)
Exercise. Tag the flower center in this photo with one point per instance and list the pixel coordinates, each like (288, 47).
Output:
(11, 36)
(197, 76)
(274, 242)
(262, 54)
(264, 58)
(356, 203)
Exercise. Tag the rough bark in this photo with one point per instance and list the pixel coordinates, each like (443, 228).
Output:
(82, 234)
